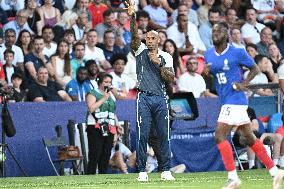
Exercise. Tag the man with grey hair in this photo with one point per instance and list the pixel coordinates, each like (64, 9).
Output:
(19, 24)
(154, 69)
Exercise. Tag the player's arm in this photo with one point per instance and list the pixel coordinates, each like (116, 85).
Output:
(254, 70)
(167, 74)
(135, 41)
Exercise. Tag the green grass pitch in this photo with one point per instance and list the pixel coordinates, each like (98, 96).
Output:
(256, 179)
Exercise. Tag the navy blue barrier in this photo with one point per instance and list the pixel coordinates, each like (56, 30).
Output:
(36, 120)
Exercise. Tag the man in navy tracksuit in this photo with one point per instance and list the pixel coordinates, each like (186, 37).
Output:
(154, 68)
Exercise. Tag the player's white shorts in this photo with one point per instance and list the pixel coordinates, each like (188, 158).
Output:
(234, 114)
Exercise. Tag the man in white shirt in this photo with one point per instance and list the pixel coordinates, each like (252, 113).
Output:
(10, 39)
(191, 81)
(20, 23)
(251, 29)
(183, 30)
(121, 81)
(48, 36)
(95, 53)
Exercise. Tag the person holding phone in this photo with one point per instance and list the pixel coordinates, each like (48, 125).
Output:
(102, 124)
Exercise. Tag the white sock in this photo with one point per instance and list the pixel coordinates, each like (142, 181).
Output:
(273, 171)
(281, 161)
(276, 161)
(233, 175)
(251, 163)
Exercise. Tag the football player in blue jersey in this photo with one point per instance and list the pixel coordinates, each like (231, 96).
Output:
(225, 63)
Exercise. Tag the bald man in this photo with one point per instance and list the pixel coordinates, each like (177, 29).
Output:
(154, 69)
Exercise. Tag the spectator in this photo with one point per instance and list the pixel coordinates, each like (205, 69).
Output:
(97, 8)
(68, 20)
(143, 21)
(60, 62)
(3, 17)
(157, 13)
(205, 30)
(203, 11)
(78, 88)
(78, 60)
(19, 24)
(121, 157)
(122, 19)
(81, 25)
(231, 18)
(24, 42)
(69, 36)
(92, 52)
(102, 125)
(163, 37)
(107, 24)
(109, 46)
(9, 69)
(49, 14)
(171, 48)
(34, 19)
(10, 39)
(48, 36)
(93, 72)
(267, 11)
(18, 95)
(275, 56)
(185, 8)
(280, 43)
(36, 59)
(83, 6)
(185, 35)
(252, 50)
(236, 38)
(46, 90)
(266, 72)
(12, 6)
(121, 82)
(191, 81)
(223, 7)
(265, 40)
(251, 29)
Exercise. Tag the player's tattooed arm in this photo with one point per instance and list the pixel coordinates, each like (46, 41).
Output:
(167, 74)
(135, 41)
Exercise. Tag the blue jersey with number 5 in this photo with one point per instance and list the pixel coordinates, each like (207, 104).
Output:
(227, 69)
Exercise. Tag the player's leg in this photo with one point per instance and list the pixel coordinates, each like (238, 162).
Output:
(259, 150)
(229, 115)
(225, 149)
(161, 117)
(144, 119)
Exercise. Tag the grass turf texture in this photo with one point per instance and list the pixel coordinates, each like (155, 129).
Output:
(254, 179)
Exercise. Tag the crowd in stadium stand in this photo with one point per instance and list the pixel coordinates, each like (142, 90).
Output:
(53, 50)
(64, 35)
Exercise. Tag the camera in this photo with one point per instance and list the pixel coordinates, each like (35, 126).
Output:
(108, 88)
(104, 129)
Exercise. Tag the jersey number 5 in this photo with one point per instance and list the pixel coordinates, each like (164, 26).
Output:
(221, 78)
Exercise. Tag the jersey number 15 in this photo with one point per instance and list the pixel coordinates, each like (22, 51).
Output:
(221, 78)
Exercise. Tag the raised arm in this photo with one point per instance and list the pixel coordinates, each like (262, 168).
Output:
(135, 41)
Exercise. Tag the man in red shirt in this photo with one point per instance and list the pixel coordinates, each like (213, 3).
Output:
(97, 9)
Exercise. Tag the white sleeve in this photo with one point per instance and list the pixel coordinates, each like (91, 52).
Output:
(140, 49)
(280, 71)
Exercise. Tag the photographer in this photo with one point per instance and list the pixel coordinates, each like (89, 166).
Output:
(102, 124)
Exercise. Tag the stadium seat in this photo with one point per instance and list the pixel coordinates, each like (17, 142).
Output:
(54, 144)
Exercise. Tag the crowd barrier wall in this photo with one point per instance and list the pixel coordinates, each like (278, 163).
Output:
(36, 120)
